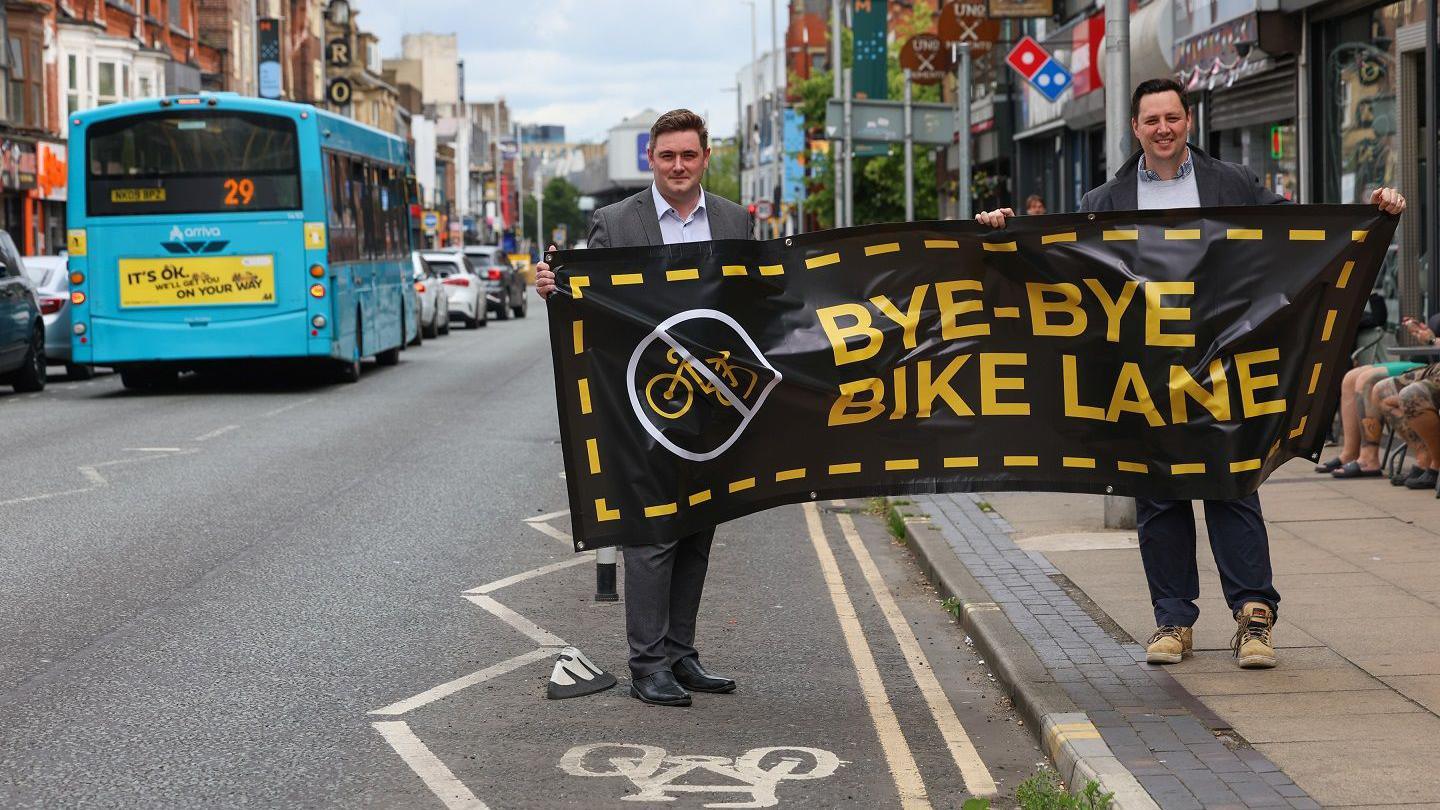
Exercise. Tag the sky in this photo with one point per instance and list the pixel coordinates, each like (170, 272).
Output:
(588, 64)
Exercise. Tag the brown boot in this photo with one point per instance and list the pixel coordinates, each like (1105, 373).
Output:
(1252, 645)
(1169, 644)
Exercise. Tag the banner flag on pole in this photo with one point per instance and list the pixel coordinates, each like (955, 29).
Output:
(1164, 354)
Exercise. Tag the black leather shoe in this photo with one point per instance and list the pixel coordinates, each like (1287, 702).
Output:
(694, 677)
(659, 688)
(1425, 480)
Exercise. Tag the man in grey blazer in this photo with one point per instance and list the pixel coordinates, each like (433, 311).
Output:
(663, 581)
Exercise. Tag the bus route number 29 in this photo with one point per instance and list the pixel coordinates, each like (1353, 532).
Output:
(239, 192)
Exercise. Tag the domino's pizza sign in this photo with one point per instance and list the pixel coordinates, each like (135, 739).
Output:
(1040, 69)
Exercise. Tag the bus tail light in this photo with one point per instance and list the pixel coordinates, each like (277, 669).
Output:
(49, 305)
(77, 297)
(79, 328)
(77, 278)
(317, 290)
(317, 271)
(457, 281)
(494, 274)
(419, 286)
(318, 321)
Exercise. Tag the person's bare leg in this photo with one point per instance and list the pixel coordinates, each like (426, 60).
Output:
(1349, 418)
(1370, 425)
(1418, 406)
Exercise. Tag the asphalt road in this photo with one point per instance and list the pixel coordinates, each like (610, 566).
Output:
(250, 591)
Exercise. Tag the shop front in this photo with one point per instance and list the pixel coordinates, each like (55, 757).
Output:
(1369, 88)
(17, 179)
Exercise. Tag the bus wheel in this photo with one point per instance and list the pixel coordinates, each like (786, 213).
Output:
(348, 371)
(74, 372)
(389, 357)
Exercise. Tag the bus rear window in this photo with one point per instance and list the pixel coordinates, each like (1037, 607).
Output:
(191, 162)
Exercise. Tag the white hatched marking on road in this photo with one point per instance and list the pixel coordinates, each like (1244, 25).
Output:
(547, 529)
(428, 767)
(533, 573)
(93, 476)
(977, 777)
(449, 688)
(216, 433)
(530, 629)
(150, 449)
(547, 518)
(284, 408)
(45, 496)
(903, 769)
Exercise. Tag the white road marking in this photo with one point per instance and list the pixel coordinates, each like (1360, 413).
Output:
(533, 573)
(657, 774)
(448, 688)
(531, 630)
(93, 476)
(547, 529)
(284, 408)
(205, 437)
(549, 517)
(428, 767)
(149, 449)
(887, 727)
(962, 750)
(45, 496)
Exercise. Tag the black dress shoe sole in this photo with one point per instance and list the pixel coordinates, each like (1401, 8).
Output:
(720, 690)
(635, 693)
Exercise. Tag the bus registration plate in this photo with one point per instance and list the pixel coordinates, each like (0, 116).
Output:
(197, 281)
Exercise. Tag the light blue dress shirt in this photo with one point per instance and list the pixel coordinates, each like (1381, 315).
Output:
(696, 228)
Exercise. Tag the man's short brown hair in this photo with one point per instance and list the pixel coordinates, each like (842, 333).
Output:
(680, 121)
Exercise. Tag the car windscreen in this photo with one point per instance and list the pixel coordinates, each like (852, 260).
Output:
(442, 266)
(196, 161)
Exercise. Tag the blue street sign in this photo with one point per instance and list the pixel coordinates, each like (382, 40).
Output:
(642, 146)
(1051, 79)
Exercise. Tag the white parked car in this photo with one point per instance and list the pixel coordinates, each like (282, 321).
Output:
(434, 298)
(52, 289)
(464, 285)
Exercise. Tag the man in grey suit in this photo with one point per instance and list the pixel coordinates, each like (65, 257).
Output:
(663, 581)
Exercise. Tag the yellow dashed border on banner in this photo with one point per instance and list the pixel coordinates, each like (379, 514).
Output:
(1314, 378)
(942, 244)
(1194, 468)
(578, 285)
(1078, 462)
(1120, 235)
(627, 279)
(884, 247)
(823, 260)
(661, 510)
(790, 475)
(848, 468)
(1300, 428)
(592, 449)
(1021, 461)
(690, 274)
(733, 270)
(774, 269)
(1344, 275)
(1359, 236)
(1244, 233)
(958, 462)
(894, 464)
(577, 331)
(583, 384)
(1245, 466)
(699, 497)
(604, 513)
(742, 485)
(1000, 247)
(1329, 325)
(1131, 466)
(1056, 238)
(1304, 235)
(1174, 234)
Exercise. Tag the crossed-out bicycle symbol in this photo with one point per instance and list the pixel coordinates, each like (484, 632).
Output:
(680, 385)
(655, 772)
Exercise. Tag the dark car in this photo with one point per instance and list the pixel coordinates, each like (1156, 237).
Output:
(22, 330)
(504, 286)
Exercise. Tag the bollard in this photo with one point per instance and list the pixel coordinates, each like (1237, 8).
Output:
(605, 575)
(1119, 512)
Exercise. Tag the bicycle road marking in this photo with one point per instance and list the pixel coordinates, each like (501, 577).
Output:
(977, 777)
(428, 767)
(903, 768)
(656, 773)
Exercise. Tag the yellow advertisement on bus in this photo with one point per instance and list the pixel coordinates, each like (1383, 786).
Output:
(197, 281)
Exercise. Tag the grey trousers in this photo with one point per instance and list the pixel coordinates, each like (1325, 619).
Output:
(663, 583)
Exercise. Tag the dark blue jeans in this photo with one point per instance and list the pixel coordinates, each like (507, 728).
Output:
(1237, 539)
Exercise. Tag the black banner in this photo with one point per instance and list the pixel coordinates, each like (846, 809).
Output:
(1172, 354)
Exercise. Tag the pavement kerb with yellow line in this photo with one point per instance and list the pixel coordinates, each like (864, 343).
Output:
(1064, 732)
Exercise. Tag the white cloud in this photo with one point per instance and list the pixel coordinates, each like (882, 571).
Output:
(588, 65)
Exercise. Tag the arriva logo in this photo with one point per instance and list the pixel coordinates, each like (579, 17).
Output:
(195, 232)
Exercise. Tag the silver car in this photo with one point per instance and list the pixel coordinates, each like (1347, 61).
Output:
(51, 278)
(434, 297)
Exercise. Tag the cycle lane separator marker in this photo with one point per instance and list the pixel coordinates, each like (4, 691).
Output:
(440, 779)
(978, 778)
(903, 768)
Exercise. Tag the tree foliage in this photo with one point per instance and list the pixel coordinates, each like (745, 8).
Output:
(723, 177)
(562, 205)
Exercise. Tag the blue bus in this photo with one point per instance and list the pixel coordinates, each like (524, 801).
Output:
(212, 228)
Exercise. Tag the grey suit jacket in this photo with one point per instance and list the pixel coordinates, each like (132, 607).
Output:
(1218, 183)
(632, 222)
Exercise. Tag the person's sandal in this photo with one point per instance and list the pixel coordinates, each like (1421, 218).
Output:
(1354, 470)
(1330, 466)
